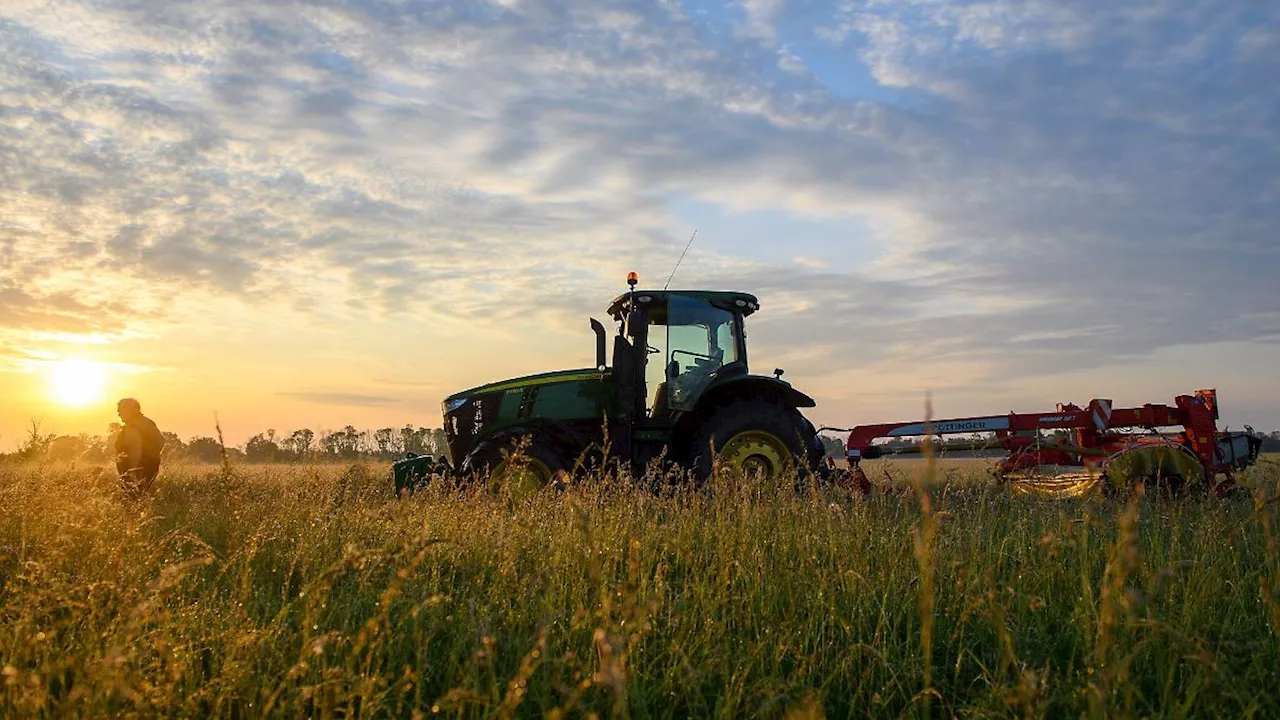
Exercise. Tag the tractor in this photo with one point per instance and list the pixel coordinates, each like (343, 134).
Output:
(675, 387)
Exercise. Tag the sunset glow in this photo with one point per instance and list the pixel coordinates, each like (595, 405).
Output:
(77, 383)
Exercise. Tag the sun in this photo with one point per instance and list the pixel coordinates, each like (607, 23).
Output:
(77, 382)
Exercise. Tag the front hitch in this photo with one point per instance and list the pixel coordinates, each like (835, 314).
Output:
(414, 471)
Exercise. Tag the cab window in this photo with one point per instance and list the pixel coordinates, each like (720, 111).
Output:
(701, 339)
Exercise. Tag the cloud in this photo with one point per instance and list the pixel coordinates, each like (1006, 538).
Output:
(761, 15)
(1064, 184)
(341, 399)
(57, 312)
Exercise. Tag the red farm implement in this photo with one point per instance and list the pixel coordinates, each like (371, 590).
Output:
(1173, 446)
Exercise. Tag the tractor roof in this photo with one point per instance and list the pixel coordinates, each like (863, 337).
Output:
(728, 300)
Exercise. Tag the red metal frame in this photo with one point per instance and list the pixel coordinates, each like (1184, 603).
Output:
(1096, 436)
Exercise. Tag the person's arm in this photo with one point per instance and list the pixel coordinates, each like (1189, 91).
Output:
(133, 447)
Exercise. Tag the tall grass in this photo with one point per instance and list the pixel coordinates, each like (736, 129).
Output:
(310, 591)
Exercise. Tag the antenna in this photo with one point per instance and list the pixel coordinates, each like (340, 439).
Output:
(686, 252)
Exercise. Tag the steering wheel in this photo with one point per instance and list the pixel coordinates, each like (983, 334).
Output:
(708, 358)
(692, 378)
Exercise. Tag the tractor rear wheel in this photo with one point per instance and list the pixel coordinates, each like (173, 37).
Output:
(753, 437)
(516, 465)
(823, 471)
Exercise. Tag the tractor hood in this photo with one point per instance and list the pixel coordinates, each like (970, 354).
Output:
(564, 396)
(547, 378)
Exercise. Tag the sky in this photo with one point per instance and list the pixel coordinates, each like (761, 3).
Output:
(289, 214)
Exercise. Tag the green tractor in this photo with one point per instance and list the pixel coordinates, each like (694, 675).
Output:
(676, 386)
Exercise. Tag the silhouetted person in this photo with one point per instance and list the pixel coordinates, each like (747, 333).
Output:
(137, 447)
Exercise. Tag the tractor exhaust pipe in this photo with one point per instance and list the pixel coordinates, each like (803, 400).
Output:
(600, 343)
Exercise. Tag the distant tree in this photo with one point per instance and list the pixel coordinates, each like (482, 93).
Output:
(351, 444)
(71, 447)
(204, 449)
(262, 448)
(410, 440)
(421, 440)
(330, 444)
(173, 446)
(36, 445)
(299, 443)
(97, 448)
(437, 442)
(387, 441)
(345, 443)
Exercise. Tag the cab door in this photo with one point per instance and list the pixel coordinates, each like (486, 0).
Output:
(701, 342)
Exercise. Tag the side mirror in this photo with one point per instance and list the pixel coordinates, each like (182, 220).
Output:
(600, 343)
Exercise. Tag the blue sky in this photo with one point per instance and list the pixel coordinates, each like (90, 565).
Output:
(320, 213)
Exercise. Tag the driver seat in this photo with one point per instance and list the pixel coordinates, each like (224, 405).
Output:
(661, 402)
(662, 395)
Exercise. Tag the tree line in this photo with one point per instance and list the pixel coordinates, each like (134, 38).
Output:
(303, 445)
(348, 443)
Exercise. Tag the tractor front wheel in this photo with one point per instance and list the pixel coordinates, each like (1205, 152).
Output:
(752, 437)
(516, 465)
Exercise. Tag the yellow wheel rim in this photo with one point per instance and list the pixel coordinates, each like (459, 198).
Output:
(1145, 464)
(519, 476)
(757, 452)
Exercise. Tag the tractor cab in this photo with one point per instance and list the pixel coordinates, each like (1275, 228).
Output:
(672, 345)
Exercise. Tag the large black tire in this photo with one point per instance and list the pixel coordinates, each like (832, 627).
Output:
(823, 472)
(505, 468)
(753, 436)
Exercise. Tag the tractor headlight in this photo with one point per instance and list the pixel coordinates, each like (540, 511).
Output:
(454, 404)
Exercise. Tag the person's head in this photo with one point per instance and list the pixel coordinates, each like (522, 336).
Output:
(128, 408)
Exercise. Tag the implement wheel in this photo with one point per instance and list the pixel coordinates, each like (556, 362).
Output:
(753, 437)
(1162, 469)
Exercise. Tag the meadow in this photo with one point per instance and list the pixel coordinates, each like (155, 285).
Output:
(310, 591)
